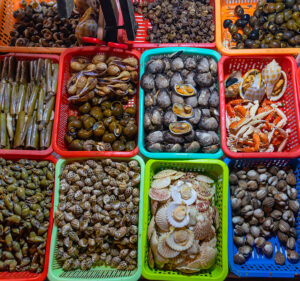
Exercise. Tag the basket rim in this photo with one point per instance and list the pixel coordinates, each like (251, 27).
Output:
(238, 155)
(158, 276)
(171, 155)
(245, 52)
(49, 150)
(233, 267)
(40, 276)
(56, 125)
(60, 163)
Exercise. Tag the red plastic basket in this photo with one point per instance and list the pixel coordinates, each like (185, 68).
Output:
(37, 153)
(65, 109)
(298, 81)
(26, 275)
(290, 99)
(140, 42)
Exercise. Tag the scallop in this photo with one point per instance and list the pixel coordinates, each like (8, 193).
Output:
(185, 90)
(183, 111)
(180, 128)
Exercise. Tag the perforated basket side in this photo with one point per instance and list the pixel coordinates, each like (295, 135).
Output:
(219, 172)
(258, 265)
(56, 273)
(290, 101)
(140, 42)
(27, 275)
(67, 109)
(171, 155)
(225, 10)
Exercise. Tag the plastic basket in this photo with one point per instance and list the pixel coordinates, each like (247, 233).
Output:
(37, 153)
(225, 10)
(26, 275)
(258, 265)
(298, 81)
(171, 155)
(65, 108)
(219, 172)
(140, 42)
(56, 273)
(290, 99)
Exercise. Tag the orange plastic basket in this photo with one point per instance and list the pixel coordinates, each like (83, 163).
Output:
(36, 153)
(7, 21)
(26, 275)
(66, 109)
(141, 44)
(225, 10)
(290, 99)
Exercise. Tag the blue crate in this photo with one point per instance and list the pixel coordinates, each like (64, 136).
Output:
(171, 155)
(258, 265)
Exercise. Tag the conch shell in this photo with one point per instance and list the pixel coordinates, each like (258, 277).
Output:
(232, 84)
(271, 74)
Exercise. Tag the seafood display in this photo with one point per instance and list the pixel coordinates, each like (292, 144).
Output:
(102, 127)
(272, 25)
(264, 205)
(256, 121)
(27, 100)
(181, 104)
(100, 89)
(102, 76)
(39, 25)
(97, 215)
(182, 230)
(25, 204)
(187, 21)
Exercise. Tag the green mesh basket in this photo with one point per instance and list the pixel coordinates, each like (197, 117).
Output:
(56, 273)
(219, 172)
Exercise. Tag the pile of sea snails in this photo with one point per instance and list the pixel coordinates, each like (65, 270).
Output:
(103, 76)
(182, 230)
(274, 24)
(25, 203)
(264, 204)
(181, 104)
(97, 215)
(185, 21)
(102, 127)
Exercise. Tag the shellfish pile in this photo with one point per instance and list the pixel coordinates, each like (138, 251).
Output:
(97, 215)
(264, 204)
(102, 76)
(182, 231)
(256, 121)
(181, 104)
(25, 203)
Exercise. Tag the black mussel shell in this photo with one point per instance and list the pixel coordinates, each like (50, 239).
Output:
(226, 23)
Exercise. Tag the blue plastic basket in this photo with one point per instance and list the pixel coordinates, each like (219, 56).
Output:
(171, 155)
(258, 265)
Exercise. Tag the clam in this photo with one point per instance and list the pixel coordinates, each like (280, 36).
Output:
(292, 256)
(239, 259)
(180, 127)
(183, 111)
(268, 249)
(185, 90)
(279, 258)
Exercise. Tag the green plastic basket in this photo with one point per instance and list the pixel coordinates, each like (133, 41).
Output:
(218, 171)
(56, 273)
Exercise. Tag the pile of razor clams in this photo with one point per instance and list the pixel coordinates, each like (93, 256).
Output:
(181, 104)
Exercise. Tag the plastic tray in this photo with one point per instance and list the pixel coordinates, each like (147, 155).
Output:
(37, 153)
(171, 155)
(141, 44)
(26, 275)
(219, 172)
(290, 99)
(56, 273)
(65, 108)
(225, 10)
(258, 265)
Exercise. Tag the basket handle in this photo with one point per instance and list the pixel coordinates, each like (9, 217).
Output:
(92, 40)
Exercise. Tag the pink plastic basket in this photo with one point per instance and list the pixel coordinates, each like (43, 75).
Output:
(141, 44)
(290, 99)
